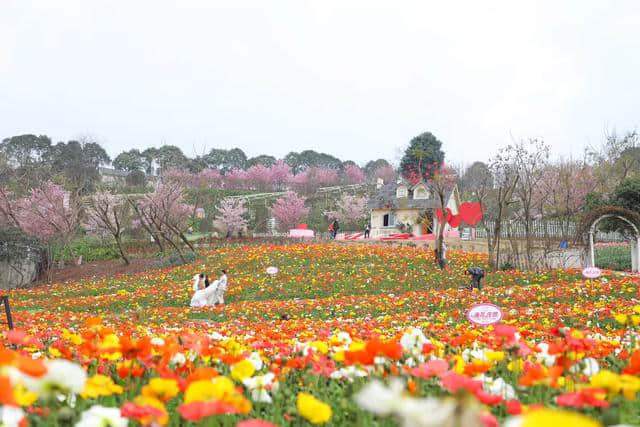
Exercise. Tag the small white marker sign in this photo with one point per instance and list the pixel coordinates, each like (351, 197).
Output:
(484, 314)
(591, 272)
(272, 270)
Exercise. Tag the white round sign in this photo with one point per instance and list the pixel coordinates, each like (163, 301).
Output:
(591, 272)
(484, 314)
(272, 270)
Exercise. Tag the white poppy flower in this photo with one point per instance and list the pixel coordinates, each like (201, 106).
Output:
(10, 416)
(98, 416)
(260, 385)
(255, 360)
(62, 377)
(413, 341)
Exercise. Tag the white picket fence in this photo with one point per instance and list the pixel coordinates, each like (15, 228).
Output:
(543, 229)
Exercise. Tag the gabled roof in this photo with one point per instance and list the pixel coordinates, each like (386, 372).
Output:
(385, 198)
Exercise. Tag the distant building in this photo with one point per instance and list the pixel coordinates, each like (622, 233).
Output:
(397, 207)
(112, 176)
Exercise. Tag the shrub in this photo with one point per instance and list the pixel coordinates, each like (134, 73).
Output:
(614, 257)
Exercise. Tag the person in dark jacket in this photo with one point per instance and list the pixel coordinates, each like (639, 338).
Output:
(336, 227)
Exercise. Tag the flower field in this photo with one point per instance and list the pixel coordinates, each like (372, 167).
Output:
(341, 335)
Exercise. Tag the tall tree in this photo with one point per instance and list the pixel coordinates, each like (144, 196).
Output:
(294, 160)
(78, 162)
(442, 182)
(26, 150)
(226, 160)
(129, 161)
(423, 156)
(499, 200)
(150, 156)
(529, 159)
(26, 161)
(171, 157)
(263, 160)
(474, 177)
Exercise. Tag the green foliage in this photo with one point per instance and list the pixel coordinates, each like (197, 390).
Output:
(78, 162)
(627, 194)
(129, 161)
(317, 220)
(263, 160)
(90, 248)
(226, 160)
(136, 178)
(614, 257)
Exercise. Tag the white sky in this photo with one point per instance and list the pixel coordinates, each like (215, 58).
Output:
(356, 79)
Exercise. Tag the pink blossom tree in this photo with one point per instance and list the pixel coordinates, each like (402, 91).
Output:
(386, 173)
(313, 178)
(232, 215)
(166, 215)
(258, 177)
(351, 211)
(48, 213)
(108, 214)
(289, 210)
(280, 175)
(235, 179)
(353, 175)
(210, 178)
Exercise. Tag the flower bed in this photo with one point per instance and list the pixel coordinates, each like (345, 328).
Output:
(342, 335)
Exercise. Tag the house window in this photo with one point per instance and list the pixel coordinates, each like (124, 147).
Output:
(388, 220)
(420, 193)
(402, 192)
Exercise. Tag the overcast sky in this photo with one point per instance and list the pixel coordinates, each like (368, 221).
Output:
(356, 79)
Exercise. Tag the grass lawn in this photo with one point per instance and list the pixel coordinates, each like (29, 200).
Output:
(333, 320)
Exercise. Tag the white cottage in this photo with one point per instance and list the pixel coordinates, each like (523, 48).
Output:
(403, 208)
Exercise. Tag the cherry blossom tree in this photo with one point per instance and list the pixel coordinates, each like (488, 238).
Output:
(313, 178)
(351, 210)
(289, 210)
(108, 214)
(280, 175)
(210, 178)
(236, 179)
(353, 175)
(48, 213)
(232, 215)
(165, 215)
(258, 177)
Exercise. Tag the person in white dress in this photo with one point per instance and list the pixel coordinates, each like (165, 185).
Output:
(203, 295)
(208, 295)
(221, 288)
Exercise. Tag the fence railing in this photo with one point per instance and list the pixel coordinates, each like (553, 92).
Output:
(546, 229)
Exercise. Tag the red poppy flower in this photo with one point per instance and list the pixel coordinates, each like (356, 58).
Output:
(255, 423)
(198, 410)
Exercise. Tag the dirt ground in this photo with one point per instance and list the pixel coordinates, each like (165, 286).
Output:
(98, 269)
